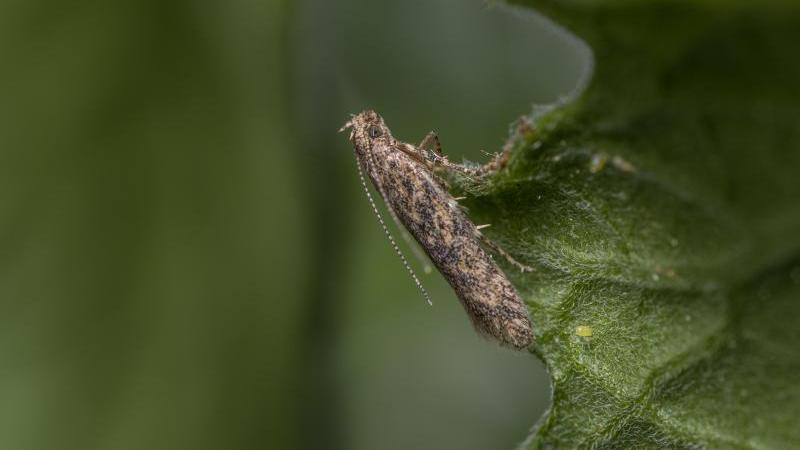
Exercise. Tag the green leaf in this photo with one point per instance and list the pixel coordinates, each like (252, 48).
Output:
(661, 209)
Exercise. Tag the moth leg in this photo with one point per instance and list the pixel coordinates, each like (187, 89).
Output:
(497, 162)
(437, 158)
(492, 245)
(415, 153)
(431, 138)
(429, 160)
(421, 154)
(442, 161)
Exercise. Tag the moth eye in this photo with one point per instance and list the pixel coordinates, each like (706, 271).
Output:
(374, 132)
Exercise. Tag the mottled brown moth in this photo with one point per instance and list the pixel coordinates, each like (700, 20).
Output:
(403, 174)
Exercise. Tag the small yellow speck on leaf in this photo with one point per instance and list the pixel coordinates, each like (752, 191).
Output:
(598, 162)
(583, 331)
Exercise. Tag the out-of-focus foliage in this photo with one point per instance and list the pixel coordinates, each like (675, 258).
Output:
(661, 211)
(151, 270)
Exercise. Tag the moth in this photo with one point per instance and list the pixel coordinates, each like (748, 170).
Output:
(403, 175)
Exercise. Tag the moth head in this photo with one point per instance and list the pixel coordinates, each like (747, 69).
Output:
(366, 128)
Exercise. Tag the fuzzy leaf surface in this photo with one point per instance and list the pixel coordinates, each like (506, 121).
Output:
(661, 209)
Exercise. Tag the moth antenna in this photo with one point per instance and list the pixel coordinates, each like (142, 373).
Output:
(389, 235)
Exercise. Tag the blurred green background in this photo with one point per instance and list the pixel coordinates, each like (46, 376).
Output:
(187, 261)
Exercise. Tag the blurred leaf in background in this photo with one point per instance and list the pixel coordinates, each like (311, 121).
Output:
(152, 234)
